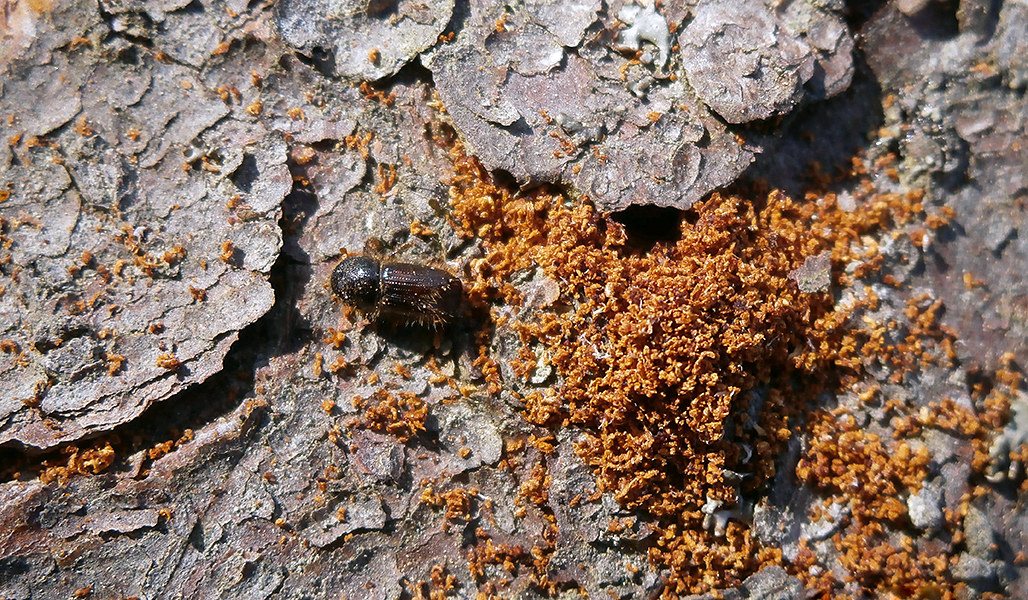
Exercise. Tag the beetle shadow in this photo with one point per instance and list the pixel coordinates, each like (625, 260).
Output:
(412, 338)
(453, 339)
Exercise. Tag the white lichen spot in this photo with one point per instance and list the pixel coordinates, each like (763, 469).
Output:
(647, 25)
(1001, 468)
(716, 516)
(715, 519)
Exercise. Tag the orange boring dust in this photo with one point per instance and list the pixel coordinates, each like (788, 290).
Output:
(659, 350)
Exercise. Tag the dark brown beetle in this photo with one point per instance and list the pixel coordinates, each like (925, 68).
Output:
(401, 291)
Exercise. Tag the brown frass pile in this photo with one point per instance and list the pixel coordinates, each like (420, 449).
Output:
(659, 349)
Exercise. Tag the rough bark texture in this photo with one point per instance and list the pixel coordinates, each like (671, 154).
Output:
(178, 179)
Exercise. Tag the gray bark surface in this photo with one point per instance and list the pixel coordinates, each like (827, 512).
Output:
(179, 180)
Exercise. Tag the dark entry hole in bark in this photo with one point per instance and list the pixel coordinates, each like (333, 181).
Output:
(646, 225)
